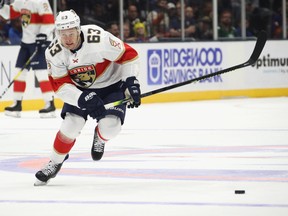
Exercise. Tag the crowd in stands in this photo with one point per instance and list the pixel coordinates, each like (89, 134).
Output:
(160, 20)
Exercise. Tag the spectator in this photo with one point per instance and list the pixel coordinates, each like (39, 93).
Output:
(204, 30)
(172, 12)
(132, 17)
(140, 32)
(61, 5)
(76, 5)
(207, 9)
(190, 22)
(259, 18)
(225, 28)
(195, 4)
(236, 10)
(113, 28)
(158, 21)
(189, 25)
(248, 30)
(96, 15)
(126, 33)
(112, 10)
(140, 5)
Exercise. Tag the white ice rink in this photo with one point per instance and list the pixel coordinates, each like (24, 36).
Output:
(171, 159)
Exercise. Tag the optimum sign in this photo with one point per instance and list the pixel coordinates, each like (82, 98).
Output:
(169, 66)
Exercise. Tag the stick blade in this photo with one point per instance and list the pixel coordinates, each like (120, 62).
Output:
(260, 43)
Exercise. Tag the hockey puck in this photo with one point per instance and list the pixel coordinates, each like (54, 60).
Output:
(239, 191)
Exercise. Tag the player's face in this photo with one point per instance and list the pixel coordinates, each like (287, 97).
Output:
(70, 38)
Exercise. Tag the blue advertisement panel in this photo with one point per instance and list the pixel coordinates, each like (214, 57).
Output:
(168, 66)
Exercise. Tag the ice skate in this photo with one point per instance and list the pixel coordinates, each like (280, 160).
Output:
(48, 111)
(49, 171)
(14, 110)
(97, 149)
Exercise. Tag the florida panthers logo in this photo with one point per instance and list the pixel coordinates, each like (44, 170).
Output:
(25, 17)
(83, 76)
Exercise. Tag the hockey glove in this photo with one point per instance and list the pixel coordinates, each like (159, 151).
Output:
(133, 88)
(90, 102)
(40, 40)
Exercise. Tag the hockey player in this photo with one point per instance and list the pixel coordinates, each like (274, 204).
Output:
(88, 67)
(37, 25)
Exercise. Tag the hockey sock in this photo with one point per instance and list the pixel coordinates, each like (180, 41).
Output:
(46, 90)
(62, 146)
(19, 89)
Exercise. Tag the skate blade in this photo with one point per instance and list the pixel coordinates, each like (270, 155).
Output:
(40, 183)
(14, 114)
(48, 115)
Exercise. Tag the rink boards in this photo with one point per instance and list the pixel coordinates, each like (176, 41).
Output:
(165, 64)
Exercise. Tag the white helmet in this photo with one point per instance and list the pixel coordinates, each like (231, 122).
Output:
(67, 19)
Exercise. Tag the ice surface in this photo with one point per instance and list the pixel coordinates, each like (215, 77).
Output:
(170, 159)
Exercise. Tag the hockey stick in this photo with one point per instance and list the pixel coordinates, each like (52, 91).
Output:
(19, 73)
(260, 43)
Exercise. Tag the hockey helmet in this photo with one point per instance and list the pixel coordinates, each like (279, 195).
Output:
(67, 20)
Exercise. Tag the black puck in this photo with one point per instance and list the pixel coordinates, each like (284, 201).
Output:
(239, 191)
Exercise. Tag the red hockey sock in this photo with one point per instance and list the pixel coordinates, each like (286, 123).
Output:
(19, 86)
(45, 86)
(62, 144)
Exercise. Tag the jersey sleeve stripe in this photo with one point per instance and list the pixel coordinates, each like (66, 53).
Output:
(101, 67)
(13, 13)
(42, 19)
(129, 55)
(57, 83)
(35, 18)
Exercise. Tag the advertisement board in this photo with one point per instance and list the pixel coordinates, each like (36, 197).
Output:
(164, 64)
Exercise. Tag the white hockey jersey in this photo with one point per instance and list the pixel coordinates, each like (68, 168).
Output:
(102, 60)
(36, 17)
